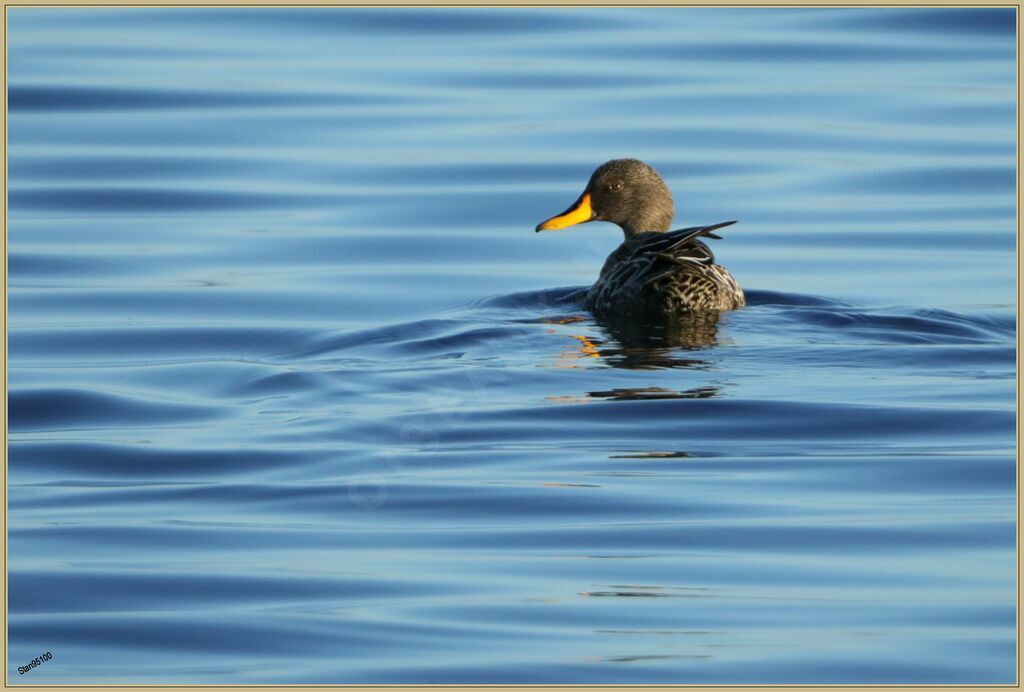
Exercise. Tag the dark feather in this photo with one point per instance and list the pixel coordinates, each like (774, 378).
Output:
(657, 277)
(681, 261)
(665, 273)
(681, 237)
(675, 240)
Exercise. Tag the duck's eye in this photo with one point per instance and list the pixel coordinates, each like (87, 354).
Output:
(616, 186)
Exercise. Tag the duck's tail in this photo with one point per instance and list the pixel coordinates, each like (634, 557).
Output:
(672, 242)
(684, 235)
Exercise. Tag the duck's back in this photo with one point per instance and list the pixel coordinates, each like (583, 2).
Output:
(662, 274)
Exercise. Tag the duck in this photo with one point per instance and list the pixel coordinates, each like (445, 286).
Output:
(655, 272)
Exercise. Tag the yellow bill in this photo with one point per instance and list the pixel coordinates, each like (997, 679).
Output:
(580, 212)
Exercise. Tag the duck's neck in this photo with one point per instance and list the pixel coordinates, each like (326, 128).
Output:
(653, 221)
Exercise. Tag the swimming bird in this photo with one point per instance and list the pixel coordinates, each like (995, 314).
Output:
(655, 272)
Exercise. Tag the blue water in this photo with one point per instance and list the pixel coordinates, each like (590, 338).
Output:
(298, 396)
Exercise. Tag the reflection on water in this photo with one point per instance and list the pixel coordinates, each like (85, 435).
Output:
(671, 343)
(655, 455)
(294, 397)
(633, 344)
(695, 330)
(641, 393)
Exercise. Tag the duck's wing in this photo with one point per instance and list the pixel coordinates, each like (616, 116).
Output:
(666, 273)
(682, 244)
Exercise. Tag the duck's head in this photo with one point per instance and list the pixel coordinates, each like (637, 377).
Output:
(626, 192)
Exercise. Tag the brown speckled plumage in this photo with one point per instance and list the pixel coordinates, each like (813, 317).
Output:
(655, 272)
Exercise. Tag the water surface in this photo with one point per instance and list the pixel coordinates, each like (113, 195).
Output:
(298, 396)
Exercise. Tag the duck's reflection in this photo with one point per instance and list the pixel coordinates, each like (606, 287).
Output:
(640, 394)
(658, 455)
(648, 393)
(694, 330)
(637, 345)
